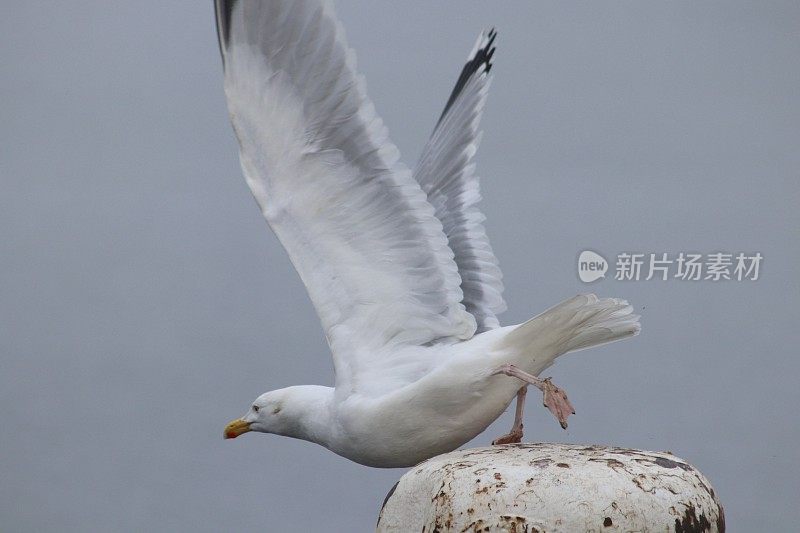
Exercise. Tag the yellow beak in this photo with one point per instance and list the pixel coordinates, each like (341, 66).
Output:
(236, 428)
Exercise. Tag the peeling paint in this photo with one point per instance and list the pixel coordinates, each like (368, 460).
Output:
(389, 495)
(669, 463)
(553, 487)
(541, 463)
(721, 520)
(692, 523)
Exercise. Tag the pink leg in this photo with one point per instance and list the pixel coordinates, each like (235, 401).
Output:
(515, 435)
(555, 399)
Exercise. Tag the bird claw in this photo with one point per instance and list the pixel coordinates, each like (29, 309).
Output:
(512, 437)
(555, 399)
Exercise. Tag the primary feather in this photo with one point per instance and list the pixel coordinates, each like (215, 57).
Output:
(447, 175)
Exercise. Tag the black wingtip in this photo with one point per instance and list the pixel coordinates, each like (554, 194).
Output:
(480, 59)
(223, 10)
(489, 49)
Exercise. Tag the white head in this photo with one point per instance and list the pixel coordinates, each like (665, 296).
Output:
(302, 412)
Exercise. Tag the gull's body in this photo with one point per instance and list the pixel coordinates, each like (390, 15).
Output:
(398, 265)
(447, 407)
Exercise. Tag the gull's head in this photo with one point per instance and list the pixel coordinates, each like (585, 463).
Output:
(264, 415)
(287, 412)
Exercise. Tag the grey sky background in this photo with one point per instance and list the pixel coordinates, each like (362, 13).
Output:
(144, 302)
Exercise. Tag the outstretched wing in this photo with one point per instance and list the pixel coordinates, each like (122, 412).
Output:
(356, 225)
(447, 175)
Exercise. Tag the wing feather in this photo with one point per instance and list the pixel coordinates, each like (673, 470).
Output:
(356, 225)
(447, 175)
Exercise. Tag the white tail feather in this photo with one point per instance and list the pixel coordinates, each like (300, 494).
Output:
(575, 324)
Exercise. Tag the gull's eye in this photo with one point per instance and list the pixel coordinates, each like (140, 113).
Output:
(255, 408)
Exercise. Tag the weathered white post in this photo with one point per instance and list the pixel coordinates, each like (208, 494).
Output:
(537, 488)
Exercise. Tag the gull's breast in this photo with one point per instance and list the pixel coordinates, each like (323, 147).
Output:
(435, 415)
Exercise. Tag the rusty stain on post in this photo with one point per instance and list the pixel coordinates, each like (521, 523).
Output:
(552, 487)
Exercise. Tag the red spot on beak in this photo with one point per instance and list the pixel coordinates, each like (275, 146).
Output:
(236, 428)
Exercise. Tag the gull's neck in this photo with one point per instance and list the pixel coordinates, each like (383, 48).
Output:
(309, 414)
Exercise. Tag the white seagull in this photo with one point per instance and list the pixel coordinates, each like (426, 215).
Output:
(397, 264)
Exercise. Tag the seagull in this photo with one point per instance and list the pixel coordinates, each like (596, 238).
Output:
(397, 263)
